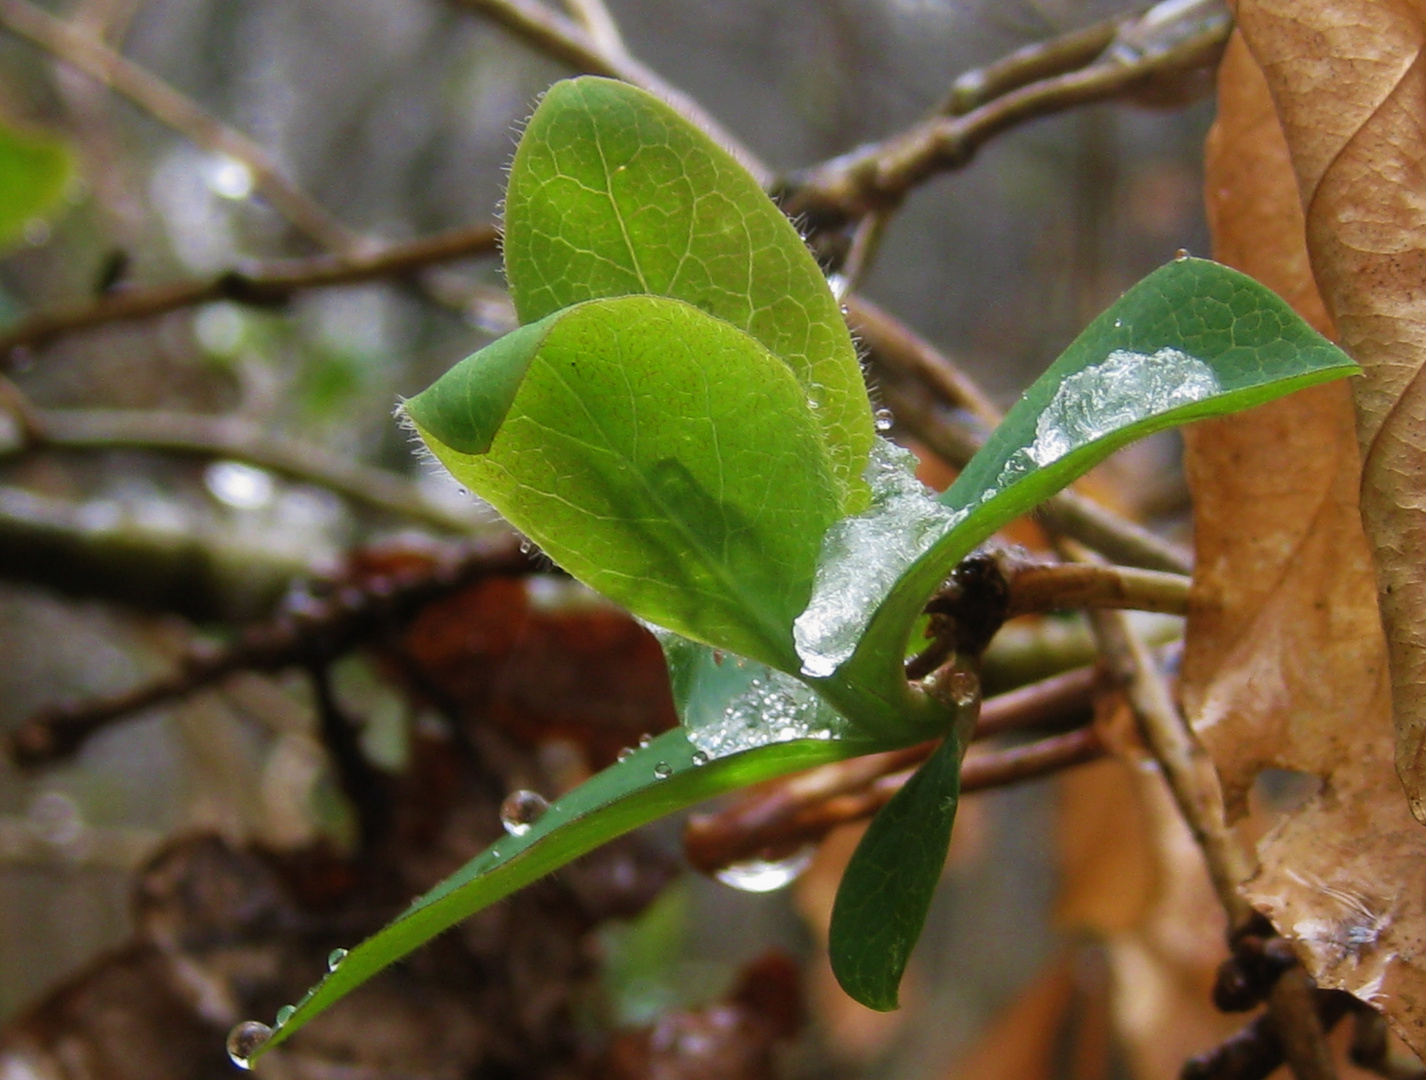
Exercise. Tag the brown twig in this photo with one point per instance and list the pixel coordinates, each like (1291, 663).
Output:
(879, 176)
(564, 40)
(240, 439)
(599, 24)
(309, 634)
(257, 283)
(1030, 64)
(782, 817)
(92, 56)
(1257, 1050)
(1070, 586)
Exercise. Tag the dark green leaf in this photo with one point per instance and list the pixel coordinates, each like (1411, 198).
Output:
(887, 888)
(34, 170)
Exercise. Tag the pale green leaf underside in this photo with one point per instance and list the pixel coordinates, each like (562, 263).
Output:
(660, 455)
(613, 193)
(1192, 340)
(651, 783)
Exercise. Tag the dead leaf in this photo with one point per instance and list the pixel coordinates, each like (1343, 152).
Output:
(1285, 661)
(1348, 78)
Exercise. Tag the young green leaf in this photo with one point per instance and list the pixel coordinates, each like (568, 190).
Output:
(659, 779)
(887, 887)
(34, 170)
(1194, 339)
(612, 193)
(658, 454)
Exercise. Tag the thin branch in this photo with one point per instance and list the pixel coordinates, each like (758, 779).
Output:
(1040, 60)
(1256, 1051)
(564, 40)
(258, 283)
(879, 176)
(1071, 586)
(1193, 780)
(90, 55)
(599, 24)
(311, 635)
(242, 440)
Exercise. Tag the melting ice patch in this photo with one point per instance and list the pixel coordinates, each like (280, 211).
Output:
(864, 556)
(1126, 388)
(775, 708)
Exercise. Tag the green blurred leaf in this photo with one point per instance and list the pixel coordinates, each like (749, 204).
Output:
(886, 890)
(658, 454)
(34, 171)
(1192, 340)
(612, 193)
(666, 776)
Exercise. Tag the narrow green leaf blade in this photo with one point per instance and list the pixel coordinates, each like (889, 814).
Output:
(1192, 340)
(34, 170)
(612, 193)
(654, 781)
(886, 891)
(658, 454)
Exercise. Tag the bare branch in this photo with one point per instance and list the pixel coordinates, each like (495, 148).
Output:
(313, 635)
(254, 283)
(566, 41)
(879, 176)
(594, 16)
(152, 94)
(242, 440)
(1072, 586)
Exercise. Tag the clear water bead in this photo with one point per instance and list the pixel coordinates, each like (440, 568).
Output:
(699, 758)
(884, 420)
(284, 1014)
(645, 739)
(245, 1040)
(766, 875)
(521, 809)
(663, 770)
(335, 958)
(626, 753)
(963, 687)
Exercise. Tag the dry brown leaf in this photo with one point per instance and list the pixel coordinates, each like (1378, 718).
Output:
(1285, 663)
(1348, 78)
(1284, 644)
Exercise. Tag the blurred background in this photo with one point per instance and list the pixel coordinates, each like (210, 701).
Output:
(134, 555)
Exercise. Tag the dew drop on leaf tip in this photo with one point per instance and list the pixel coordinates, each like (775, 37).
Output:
(520, 810)
(245, 1040)
(766, 875)
(335, 958)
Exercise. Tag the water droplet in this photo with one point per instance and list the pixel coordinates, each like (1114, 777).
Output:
(626, 753)
(663, 770)
(1180, 255)
(284, 1014)
(813, 403)
(245, 1040)
(884, 420)
(699, 758)
(766, 875)
(1118, 323)
(963, 687)
(520, 810)
(645, 739)
(335, 958)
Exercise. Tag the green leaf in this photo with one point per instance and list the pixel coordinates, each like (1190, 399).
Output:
(658, 454)
(886, 890)
(34, 171)
(1192, 340)
(612, 193)
(654, 781)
